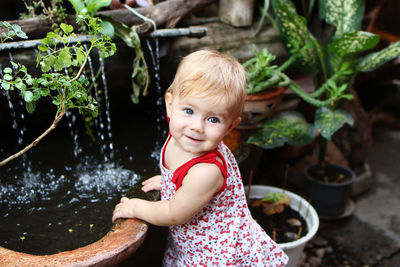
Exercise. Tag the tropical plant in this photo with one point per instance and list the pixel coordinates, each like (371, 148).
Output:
(140, 76)
(89, 7)
(262, 76)
(335, 63)
(67, 90)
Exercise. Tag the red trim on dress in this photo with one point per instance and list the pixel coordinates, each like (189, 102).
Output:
(210, 157)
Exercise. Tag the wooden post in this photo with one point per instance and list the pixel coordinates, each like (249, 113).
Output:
(237, 13)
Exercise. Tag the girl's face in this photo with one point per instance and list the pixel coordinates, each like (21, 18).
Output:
(197, 124)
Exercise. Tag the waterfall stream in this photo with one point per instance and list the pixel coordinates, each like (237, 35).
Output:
(69, 192)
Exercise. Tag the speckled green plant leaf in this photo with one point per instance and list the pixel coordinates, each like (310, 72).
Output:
(78, 5)
(354, 42)
(295, 35)
(328, 121)
(345, 15)
(287, 127)
(94, 5)
(375, 60)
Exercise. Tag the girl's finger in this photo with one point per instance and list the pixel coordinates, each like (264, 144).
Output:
(124, 199)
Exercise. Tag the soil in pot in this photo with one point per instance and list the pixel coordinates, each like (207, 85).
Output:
(328, 175)
(282, 227)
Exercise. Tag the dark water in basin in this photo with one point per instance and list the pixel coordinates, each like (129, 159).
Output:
(64, 202)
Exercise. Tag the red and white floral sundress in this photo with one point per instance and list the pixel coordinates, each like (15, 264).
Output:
(223, 233)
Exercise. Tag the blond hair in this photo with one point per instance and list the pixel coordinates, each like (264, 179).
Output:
(208, 73)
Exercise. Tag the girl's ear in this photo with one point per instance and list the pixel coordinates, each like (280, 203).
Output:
(234, 124)
(168, 103)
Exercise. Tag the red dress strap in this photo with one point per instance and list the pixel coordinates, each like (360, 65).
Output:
(211, 157)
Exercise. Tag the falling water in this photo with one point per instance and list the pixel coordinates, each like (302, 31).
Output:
(107, 102)
(155, 59)
(20, 129)
(10, 106)
(73, 132)
(98, 122)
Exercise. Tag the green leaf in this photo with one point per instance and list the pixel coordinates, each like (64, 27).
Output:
(78, 5)
(8, 70)
(6, 85)
(345, 15)
(377, 59)
(80, 56)
(28, 97)
(43, 48)
(65, 57)
(107, 28)
(51, 35)
(66, 28)
(47, 63)
(7, 77)
(19, 84)
(295, 35)
(354, 42)
(328, 121)
(30, 106)
(22, 35)
(287, 127)
(94, 5)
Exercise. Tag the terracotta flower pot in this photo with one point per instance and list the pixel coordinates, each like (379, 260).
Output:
(125, 237)
(258, 107)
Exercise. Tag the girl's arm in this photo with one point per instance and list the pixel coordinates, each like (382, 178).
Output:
(199, 186)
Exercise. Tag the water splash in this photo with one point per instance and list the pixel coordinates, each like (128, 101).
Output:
(107, 102)
(104, 178)
(88, 180)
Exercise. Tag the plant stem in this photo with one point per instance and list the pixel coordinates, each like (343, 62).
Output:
(323, 144)
(37, 140)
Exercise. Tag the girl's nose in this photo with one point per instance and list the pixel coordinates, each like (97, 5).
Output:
(197, 125)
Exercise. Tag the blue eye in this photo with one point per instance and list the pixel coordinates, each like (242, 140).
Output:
(213, 120)
(188, 111)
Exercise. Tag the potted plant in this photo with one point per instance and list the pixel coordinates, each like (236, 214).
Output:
(275, 199)
(333, 63)
(265, 86)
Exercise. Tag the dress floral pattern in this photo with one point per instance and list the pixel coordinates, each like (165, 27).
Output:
(223, 233)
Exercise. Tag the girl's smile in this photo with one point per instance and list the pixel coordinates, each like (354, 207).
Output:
(197, 124)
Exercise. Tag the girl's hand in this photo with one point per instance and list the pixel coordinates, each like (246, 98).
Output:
(125, 209)
(153, 183)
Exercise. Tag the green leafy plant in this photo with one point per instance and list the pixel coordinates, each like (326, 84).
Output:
(140, 75)
(13, 30)
(67, 91)
(54, 11)
(90, 7)
(274, 197)
(261, 75)
(334, 64)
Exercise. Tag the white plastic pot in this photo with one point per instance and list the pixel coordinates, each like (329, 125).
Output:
(295, 248)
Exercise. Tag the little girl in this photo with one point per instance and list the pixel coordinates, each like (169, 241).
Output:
(202, 196)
